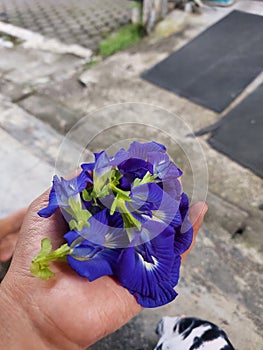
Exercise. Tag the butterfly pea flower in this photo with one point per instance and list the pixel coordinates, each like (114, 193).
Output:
(148, 270)
(127, 217)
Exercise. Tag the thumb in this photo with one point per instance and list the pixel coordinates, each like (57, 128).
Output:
(196, 214)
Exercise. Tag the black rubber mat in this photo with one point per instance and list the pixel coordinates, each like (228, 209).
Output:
(217, 65)
(240, 135)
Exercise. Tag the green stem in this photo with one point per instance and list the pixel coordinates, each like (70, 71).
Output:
(57, 254)
(40, 264)
(128, 218)
(124, 194)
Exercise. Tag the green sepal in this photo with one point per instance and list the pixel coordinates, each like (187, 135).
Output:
(148, 177)
(41, 271)
(79, 215)
(40, 264)
(128, 219)
(87, 195)
(100, 184)
(103, 184)
(115, 176)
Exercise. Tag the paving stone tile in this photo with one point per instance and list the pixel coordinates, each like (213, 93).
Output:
(52, 17)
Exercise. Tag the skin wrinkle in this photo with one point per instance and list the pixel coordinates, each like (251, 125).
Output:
(124, 313)
(49, 339)
(25, 299)
(24, 322)
(124, 301)
(7, 330)
(101, 314)
(55, 323)
(28, 303)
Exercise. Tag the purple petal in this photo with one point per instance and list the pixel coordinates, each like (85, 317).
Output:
(140, 150)
(119, 157)
(52, 205)
(182, 240)
(160, 162)
(97, 155)
(163, 207)
(172, 172)
(115, 220)
(167, 172)
(124, 184)
(100, 231)
(88, 166)
(102, 163)
(71, 236)
(145, 269)
(90, 260)
(165, 294)
(62, 190)
(99, 265)
(69, 188)
(82, 181)
(172, 187)
(97, 229)
(175, 273)
(134, 168)
(184, 205)
(184, 233)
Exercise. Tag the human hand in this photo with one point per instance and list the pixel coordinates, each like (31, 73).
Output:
(67, 311)
(9, 229)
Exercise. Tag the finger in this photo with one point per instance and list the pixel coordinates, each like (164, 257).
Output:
(12, 223)
(7, 246)
(196, 214)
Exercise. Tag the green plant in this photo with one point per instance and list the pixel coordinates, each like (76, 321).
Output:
(92, 63)
(123, 38)
(10, 38)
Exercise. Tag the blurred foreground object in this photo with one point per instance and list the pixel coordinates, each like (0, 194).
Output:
(149, 12)
(219, 2)
(188, 333)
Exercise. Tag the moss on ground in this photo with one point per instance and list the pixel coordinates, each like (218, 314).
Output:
(122, 39)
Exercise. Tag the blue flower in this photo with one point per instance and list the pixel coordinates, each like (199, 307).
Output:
(62, 190)
(88, 259)
(152, 200)
(148, 270)
(141, 150)
(128, 217)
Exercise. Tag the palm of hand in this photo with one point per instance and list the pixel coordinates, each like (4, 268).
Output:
(68, 311)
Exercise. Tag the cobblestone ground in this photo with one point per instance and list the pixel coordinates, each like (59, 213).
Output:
(82, 22)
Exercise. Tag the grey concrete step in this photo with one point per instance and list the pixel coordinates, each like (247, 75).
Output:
(30, 155)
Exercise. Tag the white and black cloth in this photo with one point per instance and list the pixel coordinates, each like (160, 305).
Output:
(189, 333)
